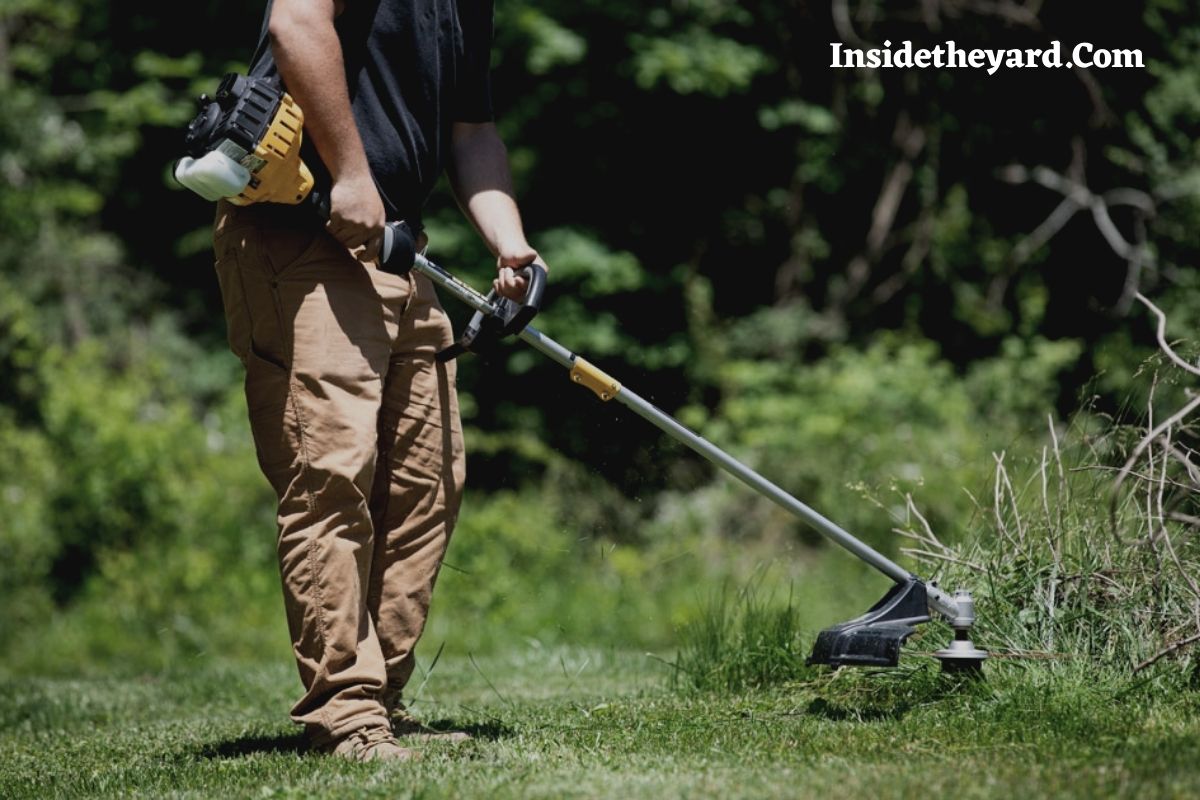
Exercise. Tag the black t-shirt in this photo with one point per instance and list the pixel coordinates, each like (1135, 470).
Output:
(413, 67)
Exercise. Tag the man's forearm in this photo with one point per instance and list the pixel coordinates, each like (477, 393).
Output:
(481, 180)
(309, 57)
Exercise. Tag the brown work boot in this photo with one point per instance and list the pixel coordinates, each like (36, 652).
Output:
(406, 726)
(371, 743)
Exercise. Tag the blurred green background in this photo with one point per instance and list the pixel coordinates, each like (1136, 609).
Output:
(863, 283)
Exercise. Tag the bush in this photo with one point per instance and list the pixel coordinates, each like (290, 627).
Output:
(142, 529)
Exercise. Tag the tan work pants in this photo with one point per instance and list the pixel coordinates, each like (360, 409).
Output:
(357, 429)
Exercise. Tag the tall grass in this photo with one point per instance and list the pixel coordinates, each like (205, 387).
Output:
(1085, 552)
(1079, 557)
(739, 642)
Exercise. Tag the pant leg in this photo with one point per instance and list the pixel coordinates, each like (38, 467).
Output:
(315, 330)
(419, 481)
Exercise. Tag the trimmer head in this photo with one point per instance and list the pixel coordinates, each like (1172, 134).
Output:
(962, 655)
(874, 639)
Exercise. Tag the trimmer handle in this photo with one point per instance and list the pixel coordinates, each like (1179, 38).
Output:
(485, 331)
(516, 315)
(399, 248)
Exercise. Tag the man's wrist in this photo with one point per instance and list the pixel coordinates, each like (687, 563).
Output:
(515, 251)
(355, 174)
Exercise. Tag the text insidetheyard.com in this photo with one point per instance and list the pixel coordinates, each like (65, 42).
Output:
(951, 55)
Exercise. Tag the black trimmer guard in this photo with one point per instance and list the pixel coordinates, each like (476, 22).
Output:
(874, 639)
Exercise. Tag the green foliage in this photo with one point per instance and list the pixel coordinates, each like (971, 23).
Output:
(552, 44)
(583, 260)
(697, 61)
(152, 523)
(891, 420)
(25, 478)
(1020, 385)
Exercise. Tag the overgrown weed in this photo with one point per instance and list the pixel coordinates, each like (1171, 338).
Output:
(743, 642)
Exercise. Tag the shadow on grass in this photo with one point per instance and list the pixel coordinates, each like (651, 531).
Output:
(890, 694)
(297, 744)
(251, 745)
(838, 712)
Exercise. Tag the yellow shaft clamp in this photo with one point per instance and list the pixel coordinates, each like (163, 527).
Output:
(588, 375)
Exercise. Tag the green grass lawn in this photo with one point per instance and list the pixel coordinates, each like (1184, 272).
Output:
(575, 723)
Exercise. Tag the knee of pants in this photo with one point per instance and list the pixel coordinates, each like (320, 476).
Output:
(317, 501)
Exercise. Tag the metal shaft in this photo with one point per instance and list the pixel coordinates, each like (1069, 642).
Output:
(666, 423)
(452, 284)
(766, 488)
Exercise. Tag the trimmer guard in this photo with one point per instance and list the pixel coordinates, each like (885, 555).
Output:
(874, 639)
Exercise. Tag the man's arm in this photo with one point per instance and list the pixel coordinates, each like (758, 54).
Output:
(309, 56)
(482, 183)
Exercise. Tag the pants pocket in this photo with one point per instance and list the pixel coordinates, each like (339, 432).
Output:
(283, 249)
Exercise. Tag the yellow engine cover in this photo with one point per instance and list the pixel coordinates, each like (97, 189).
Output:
(283, 177)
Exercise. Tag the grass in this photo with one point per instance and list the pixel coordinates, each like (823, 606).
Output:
(575, 723)
(1088, 595)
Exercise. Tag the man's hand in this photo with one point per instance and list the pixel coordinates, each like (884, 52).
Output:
(508, 282)
(356, 216)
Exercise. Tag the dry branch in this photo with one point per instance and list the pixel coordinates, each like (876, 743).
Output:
(1166, 651)
(1161, 335)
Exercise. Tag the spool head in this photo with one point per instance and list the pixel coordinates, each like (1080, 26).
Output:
(962, 656)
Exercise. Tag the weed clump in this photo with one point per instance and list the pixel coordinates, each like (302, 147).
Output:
(1078, 558)
(746, 642)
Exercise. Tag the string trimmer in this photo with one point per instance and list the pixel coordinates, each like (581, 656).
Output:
(872, 639)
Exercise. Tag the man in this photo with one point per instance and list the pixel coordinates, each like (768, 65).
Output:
(355, 423)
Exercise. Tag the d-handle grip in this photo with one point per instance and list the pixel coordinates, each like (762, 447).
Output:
(399, 249)
(535, 290)
(484, 331)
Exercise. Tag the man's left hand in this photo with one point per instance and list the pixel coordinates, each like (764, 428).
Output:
(508, 282)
